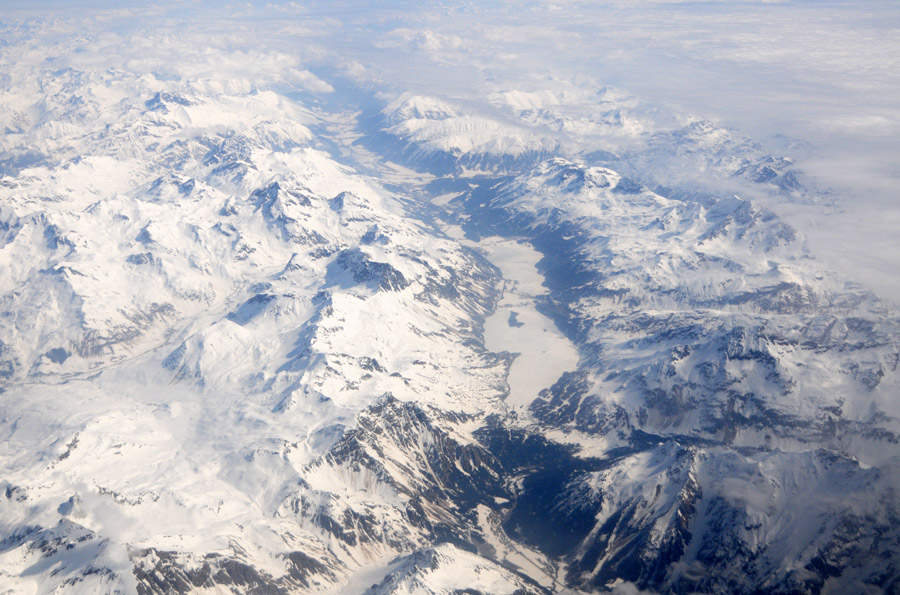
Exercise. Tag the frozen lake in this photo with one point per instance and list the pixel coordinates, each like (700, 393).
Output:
(544, 353)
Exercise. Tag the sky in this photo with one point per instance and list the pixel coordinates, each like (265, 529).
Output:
(817, 79)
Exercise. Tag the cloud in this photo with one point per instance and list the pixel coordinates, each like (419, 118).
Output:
(424, 40)
(824, 73)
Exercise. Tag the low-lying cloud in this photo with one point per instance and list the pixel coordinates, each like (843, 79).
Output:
(816, 79)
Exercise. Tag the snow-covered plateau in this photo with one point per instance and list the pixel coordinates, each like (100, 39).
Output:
(299, 331)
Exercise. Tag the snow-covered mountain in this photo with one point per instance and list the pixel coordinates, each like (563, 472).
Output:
(248, 344)
(211, 286)
(439, 136)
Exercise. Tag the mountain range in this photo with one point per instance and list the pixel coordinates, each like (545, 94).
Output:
(255, 341)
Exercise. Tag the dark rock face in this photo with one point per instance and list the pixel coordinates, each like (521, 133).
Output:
(273, 197)
(286, 211)
(165, 572)
(378, 275)
(568, 402)
(161, 100)
(141, 258)
(772, 170)
(441, 478)
(639, 539)
(251, 308)
(628, 186)
(74, 551)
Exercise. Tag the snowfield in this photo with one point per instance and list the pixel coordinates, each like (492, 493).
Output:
(270, 323)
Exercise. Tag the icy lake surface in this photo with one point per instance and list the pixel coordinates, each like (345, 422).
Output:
(544, 353)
